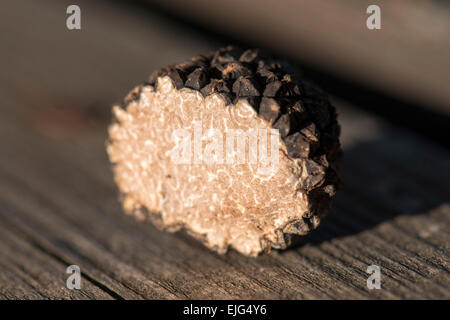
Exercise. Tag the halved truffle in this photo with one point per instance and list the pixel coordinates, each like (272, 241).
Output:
(234, 146)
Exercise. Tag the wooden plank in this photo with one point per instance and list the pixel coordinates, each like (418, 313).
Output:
(36, 275)
(59, 206)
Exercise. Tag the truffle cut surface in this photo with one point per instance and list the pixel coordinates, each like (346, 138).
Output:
(195, 152)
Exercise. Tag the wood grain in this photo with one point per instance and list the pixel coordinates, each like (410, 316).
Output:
(59, 205)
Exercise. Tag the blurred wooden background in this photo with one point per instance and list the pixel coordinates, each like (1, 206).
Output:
(408, 57)
(58, 201)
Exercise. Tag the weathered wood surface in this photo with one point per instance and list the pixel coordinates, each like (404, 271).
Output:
(58, 201)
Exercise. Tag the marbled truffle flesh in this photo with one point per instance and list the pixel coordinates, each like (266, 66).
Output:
(225, 203)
